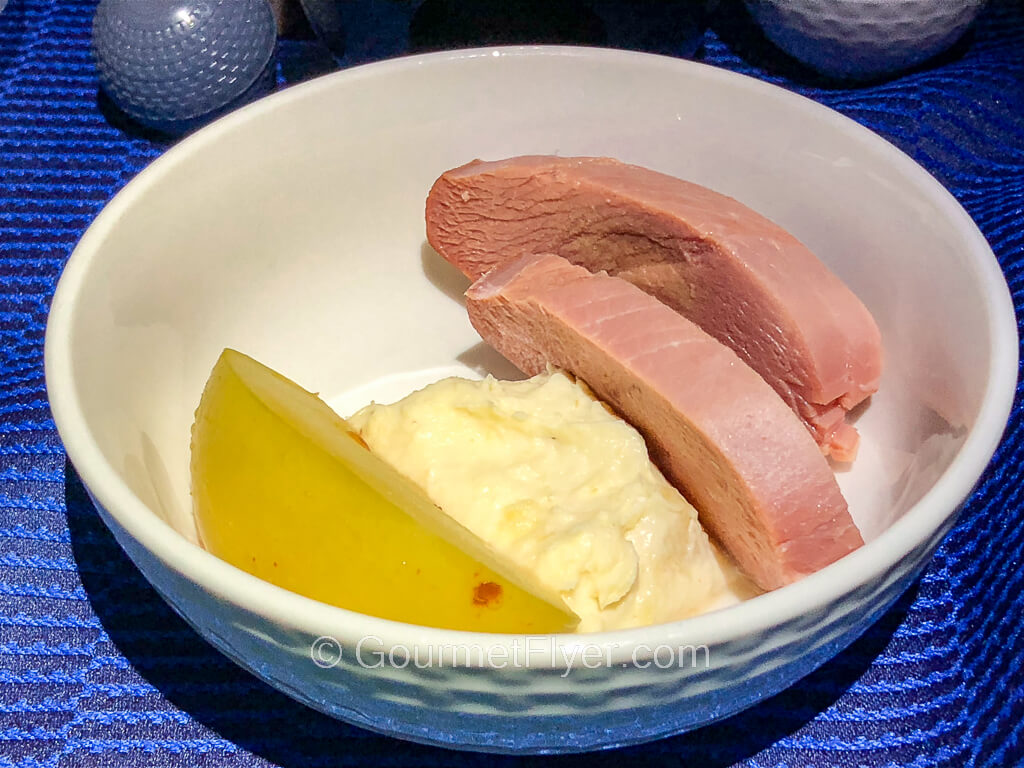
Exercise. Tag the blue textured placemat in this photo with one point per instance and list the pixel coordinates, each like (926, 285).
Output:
(95, 670)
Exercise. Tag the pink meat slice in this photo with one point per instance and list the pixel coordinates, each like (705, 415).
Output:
(738, 275)
(713, 426)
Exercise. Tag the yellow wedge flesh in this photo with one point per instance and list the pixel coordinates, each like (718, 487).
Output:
(283, 488)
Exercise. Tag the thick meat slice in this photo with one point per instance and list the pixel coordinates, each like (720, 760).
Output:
(712, 425)
(739, 276)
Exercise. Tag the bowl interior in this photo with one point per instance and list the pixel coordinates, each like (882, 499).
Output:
(293, 231)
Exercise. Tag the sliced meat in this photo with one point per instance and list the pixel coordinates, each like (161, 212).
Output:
(739, 276)
(712, 425)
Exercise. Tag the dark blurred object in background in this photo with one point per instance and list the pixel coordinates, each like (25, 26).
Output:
(327, 19)
(366, 30)
(441, 24)
(670, 27)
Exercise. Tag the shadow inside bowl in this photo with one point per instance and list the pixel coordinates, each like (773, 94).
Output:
(444, 276)
(192, 676)
(487, 361)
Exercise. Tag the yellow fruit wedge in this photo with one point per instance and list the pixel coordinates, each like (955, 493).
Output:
(285, 489)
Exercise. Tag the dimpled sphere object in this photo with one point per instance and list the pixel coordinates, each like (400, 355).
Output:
(863, 39)
(175, 64)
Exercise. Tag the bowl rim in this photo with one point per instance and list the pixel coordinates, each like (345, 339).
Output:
(869, 563)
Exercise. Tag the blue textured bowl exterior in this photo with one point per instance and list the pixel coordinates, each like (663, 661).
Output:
(172, 64)
(860, 39)
(530, 709)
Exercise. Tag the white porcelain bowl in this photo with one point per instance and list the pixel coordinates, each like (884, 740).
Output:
(293, 230)
(861, 39)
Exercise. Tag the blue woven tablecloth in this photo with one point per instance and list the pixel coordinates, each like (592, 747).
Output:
(96, 670)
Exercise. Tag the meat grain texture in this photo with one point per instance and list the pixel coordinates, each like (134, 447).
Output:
(738, 275)
(713, 426)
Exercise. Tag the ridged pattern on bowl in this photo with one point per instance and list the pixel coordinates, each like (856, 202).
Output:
(531, 709)
(864, 38)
